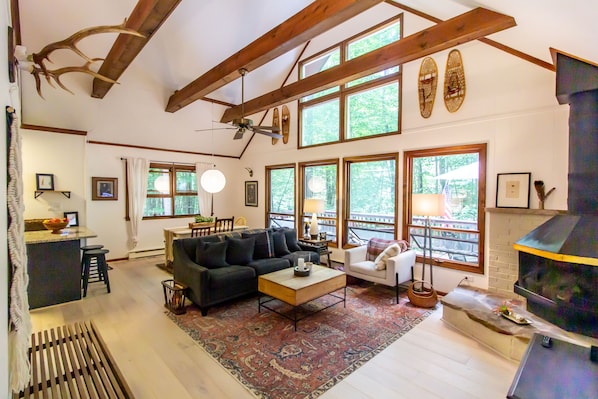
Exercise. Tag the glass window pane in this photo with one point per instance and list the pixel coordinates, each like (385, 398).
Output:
(158, 207)
(320, 123)
(320, 182)
(158, 181)
(372, 112)
(186, 182)
(321, 63)
(373, 76)
(282, 191)
(382, 37)
(186, 205)
(320, 94)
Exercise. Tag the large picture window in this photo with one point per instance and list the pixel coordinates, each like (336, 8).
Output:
(280, 196)
(171, 191)
(319, 179)
(459, 174)
(370, 198)
(365, 107)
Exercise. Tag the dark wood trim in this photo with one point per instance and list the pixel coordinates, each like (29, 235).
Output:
(15, 16)
(316, 18)
(159, 149)
(146, 18)
(484, 40)
(408, 157)
(461, 29)
(49, 129)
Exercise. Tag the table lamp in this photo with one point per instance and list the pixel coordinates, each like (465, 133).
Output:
(313, 206)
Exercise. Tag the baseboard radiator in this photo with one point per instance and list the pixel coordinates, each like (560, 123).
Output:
(142, 253)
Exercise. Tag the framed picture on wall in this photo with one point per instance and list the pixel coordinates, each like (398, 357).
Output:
(104, 188)
(512, 190)
(44, 181)
(73, 218)
(251, 193)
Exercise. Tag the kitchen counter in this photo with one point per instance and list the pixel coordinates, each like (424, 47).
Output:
(54, 265)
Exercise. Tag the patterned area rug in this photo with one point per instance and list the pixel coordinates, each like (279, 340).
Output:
(264, 353)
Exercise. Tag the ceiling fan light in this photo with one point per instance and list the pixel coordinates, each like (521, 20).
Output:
(213, 181)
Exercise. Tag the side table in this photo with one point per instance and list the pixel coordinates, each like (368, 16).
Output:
(321, 247)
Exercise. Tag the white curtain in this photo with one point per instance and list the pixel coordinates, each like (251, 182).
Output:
(205, 198)
(19, 335)
(137, 172)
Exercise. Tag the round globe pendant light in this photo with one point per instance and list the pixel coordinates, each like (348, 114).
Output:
(213, 181)
(162, 184)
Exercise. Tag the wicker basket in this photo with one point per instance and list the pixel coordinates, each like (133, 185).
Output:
(422, 294)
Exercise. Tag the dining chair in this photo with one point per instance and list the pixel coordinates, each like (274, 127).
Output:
(200, 231)
(225, 224)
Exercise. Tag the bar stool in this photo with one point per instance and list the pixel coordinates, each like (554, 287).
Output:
(97, 257)
(89, 248)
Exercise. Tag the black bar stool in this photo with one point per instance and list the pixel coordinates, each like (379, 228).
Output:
(97, 257)
(89, 248)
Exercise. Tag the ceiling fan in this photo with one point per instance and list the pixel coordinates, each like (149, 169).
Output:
(243, 124)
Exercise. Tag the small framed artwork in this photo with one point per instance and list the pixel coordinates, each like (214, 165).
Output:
(512, 190)
(73, 218)
(44, 181)
(251, 193)
(104, 188)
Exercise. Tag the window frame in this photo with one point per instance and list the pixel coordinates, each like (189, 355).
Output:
(345, 92)
(347, 189)
(301, 194)
(408, 157)
(267, 210)
(172, 169)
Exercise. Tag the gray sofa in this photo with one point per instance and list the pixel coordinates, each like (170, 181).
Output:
(225, 266)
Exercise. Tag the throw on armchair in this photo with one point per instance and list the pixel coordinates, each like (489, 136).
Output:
(388, 262)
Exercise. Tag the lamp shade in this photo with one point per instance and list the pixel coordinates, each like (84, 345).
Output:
(213, 181)
(313, 205)
(427, 204)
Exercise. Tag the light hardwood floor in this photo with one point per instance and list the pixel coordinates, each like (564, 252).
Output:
(160, 361)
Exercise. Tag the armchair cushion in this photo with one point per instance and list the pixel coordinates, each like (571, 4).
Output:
(211, 254)
(377, 245)
(390, 251)
(240, 250)
(264, 247)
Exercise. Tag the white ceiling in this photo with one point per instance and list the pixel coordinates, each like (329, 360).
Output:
(201, 34)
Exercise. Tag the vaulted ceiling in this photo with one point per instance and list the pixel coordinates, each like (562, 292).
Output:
(193, 50)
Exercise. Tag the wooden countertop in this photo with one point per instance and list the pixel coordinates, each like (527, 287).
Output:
(67, 234)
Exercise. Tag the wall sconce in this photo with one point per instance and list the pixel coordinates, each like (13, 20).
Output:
(250, 171)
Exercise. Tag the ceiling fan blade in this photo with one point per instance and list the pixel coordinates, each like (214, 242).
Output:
(271, 134)
(273, 128)
(218, 128)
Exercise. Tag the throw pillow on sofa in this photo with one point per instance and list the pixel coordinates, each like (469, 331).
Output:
(291, 238)
(211, 254)
(389, 252)
(240, 250)
(377, 245)
(280, 244)
(264, 247)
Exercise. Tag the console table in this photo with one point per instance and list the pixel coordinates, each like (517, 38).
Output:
(561, 371)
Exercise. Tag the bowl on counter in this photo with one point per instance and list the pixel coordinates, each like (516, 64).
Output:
(55, 226)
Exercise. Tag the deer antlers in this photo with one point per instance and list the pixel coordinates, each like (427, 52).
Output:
(35, 63)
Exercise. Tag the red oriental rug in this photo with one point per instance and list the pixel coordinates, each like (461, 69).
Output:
(265, 354)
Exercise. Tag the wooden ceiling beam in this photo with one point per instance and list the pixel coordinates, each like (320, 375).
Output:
(463, 28)
(316, 18)
(146, 18)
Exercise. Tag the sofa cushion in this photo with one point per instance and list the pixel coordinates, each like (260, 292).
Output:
(269, 265)
(280, 244)
(264, 247)
(389, 252)
(211, 254)
(240, 250)
(291, 238)
(377, 245)
(227, 278)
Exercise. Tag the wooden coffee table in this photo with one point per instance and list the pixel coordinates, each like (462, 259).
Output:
(295, 291)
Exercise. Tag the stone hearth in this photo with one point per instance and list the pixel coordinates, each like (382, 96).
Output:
(470, 310)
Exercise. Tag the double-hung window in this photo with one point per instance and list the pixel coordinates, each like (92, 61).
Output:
(280, 196)
(370, 198)
(319, 179)
(171, 191)
(459, 174)
(365, 107)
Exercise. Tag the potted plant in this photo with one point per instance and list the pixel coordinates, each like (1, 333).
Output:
(202, 221)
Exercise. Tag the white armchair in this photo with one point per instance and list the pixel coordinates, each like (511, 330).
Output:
(399, 268)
